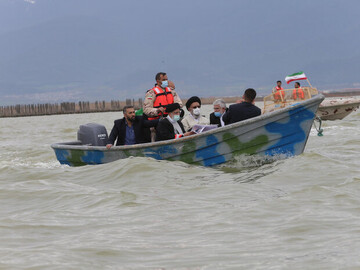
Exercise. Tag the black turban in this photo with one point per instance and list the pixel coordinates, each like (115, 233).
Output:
(191, 101)
(172, 107)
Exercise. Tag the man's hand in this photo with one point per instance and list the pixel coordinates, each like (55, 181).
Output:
(240, 100)
(189, 133)
(108, 146)
(161, 109)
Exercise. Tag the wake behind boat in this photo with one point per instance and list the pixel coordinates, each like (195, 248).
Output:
(283, 133)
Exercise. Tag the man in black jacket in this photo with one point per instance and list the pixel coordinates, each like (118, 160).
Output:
(244, 110)
(130, 129)
(219, 110)
(171, 126)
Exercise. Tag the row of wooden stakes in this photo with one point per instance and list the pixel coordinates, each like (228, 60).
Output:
(67, 108)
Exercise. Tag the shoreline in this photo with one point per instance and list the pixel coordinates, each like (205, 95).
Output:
(114, 105)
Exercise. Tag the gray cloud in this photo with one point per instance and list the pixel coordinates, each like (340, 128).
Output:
(208, 47)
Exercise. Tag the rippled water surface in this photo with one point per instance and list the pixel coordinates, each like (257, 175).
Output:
(139, 213)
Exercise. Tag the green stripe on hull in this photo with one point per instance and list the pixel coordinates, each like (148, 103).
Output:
(250, 147)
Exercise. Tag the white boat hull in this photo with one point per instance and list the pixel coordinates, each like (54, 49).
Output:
(337, 109)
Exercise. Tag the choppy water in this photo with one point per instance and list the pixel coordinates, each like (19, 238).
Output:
(139, 213)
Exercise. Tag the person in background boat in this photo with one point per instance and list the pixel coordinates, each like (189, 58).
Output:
(278, 92)
(219, 110)
(130, 129)
(298, 92)
(244, 110)
(157, 98)
(193, 105)
(171, 126)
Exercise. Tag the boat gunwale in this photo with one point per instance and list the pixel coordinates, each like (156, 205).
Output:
(325, 107)
(74, 145)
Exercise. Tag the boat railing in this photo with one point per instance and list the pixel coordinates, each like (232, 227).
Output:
(282, 98)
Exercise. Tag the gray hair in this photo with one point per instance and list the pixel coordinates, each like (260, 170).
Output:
(220, 102)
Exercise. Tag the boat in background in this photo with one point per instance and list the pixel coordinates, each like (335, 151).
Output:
(337, 108)
(329, 109)
(281, 133)
(284, 98)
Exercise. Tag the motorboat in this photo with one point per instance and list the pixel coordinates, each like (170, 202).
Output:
(279, 133)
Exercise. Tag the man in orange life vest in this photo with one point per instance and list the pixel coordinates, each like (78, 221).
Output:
(278, 93)
(298, 92)
(157, 98)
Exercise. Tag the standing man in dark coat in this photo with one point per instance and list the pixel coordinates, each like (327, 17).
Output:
(130, 129)
(244, 110)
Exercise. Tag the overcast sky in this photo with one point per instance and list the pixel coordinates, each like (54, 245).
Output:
(62, 50)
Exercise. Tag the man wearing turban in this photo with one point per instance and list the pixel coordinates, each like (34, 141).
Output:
(193, 105)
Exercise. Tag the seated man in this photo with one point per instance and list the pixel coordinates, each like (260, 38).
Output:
(171, 126)
(130, 129)
(219, 110)
(244, 110)
(193, 105)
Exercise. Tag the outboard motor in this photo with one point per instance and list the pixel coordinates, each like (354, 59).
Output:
(92, 134)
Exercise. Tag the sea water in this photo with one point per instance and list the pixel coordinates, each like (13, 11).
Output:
(140, 213)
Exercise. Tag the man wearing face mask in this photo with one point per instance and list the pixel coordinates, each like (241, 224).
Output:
(130, 129)
(171, 127)
(193, 105)
(219, 110)
(157, 98)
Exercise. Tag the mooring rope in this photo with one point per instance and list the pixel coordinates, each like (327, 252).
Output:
(318, 129)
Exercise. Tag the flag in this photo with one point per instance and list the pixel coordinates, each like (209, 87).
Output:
(295, 77)
(139, 112)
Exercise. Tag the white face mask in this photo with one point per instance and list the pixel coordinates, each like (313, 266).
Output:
(176, 117)
(196, 111)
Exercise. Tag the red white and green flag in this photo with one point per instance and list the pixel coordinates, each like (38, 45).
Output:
(295, 77)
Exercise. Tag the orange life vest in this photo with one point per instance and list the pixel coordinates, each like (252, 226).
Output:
(278, 93)
(162, 98)
(298, 92)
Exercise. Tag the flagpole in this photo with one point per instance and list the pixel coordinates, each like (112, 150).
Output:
(309, 83)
